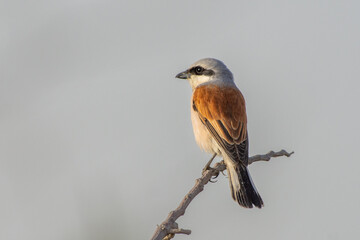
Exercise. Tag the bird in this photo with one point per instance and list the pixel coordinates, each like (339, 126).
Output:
(219, 120)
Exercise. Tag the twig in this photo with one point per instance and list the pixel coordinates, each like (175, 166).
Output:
(269, 155)
(169, 227)
(176, 230)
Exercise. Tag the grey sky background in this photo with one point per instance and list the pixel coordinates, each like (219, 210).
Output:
(95, 133)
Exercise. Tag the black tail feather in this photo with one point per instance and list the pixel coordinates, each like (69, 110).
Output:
(246, 195)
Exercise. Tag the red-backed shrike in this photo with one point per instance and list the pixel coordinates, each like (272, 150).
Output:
(219, 121)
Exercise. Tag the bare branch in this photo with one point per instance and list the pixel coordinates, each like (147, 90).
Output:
(176, 230)
(169, 227)
(269, 155)
(180, 230)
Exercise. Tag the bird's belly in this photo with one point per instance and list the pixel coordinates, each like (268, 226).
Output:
(202, 136)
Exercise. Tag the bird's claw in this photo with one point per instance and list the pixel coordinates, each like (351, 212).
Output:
(214, 177)
(212, 181)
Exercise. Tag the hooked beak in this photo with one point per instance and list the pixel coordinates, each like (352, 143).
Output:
(182, 75)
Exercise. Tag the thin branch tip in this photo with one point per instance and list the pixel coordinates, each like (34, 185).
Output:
(181, 231)
(285, 153)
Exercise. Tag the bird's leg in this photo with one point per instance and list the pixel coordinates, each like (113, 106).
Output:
(207, 166)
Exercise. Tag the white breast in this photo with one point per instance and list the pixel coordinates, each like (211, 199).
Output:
(202, 136)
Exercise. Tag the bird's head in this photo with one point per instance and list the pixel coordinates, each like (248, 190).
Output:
(206, 70)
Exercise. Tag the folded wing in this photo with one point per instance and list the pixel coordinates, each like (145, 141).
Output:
(222, 110)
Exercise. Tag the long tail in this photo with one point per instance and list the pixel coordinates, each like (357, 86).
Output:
(242, 187)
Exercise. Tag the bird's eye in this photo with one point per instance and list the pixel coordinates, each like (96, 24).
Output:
(199, 70)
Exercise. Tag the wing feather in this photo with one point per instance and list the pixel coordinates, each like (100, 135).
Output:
(222, 110)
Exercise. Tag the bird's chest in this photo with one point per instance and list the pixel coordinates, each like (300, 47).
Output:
(202, 136)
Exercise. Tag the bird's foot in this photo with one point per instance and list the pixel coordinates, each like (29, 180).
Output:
(216, 172)
(216, 175)
(208, 168)
(212, 179)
